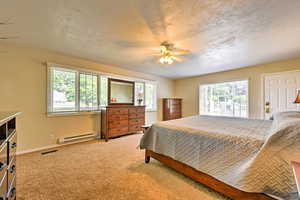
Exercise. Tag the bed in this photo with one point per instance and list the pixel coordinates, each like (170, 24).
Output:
(240, 158)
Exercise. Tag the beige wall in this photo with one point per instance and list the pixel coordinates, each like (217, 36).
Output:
(23, 88)
(188, 88)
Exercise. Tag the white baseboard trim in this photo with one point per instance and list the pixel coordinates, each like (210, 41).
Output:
(52, 146)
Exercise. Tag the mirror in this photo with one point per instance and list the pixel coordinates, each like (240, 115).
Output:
(120, 92)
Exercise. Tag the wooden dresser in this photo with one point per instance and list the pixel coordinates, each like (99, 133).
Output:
(172, 108)
(118, 120)
(8, 146)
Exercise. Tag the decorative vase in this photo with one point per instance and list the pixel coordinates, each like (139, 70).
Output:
(140, 101)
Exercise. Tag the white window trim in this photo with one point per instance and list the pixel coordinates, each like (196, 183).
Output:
(232, 80)
(79, 70)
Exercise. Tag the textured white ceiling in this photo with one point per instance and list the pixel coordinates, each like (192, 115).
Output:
(221, 34)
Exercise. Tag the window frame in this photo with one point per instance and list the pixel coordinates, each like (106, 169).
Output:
(50, 89)
(80, 109)
(227, 81)
(78, 71)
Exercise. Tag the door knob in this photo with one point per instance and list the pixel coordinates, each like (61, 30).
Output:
(267, 110)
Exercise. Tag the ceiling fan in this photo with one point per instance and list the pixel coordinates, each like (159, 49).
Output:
(169, 54)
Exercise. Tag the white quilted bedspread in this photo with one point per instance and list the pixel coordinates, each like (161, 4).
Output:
(251, 155)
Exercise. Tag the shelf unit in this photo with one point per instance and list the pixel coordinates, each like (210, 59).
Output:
(8, 146)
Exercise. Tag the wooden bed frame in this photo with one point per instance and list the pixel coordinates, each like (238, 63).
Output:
(205, 179)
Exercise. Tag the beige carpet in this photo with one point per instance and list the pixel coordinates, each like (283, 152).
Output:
(100, 170)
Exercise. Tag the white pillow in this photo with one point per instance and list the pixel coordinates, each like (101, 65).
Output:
(283, 120)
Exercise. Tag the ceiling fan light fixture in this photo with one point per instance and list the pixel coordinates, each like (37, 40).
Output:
(170, 60)
(162, 60)
(166, 60)
(167, 54)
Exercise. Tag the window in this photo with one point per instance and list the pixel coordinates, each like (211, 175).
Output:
(139, 93)
(72, 90)
(103, 90)
(75, 90)
(88, 94)
(225, 99)
(63, 90)
(150, 96)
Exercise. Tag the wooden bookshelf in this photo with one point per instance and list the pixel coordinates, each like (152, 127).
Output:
(8, 149)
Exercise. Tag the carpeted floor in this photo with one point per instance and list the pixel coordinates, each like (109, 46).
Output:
(99, 170)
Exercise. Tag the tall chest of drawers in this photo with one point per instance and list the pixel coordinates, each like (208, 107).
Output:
(172, 108)
(121, 120)
(8, 145)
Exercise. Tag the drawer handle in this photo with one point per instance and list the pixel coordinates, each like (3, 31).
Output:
(12, 169)
(2, 165)
(12, 192)
(14, 145)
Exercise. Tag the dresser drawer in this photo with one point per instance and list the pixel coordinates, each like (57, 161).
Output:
(11, 194)
(118, 111)
(112, 118)
(176, 103)
(12, 142)
(135, 128)
(117, 123)
(3, 186)
(132, 111)
(141, 110)
(11, 170)
(136, 121)
(136, 115)
(117, 131)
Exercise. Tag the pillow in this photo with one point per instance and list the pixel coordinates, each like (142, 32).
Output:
(283, 115)
(283, 120)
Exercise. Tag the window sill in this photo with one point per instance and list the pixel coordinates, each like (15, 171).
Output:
(63, 114)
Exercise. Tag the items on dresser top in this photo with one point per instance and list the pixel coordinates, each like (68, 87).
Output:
(118, 120)
(8, 146)
(172, 108)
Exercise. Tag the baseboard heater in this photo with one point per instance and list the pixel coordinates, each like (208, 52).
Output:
(76, 138)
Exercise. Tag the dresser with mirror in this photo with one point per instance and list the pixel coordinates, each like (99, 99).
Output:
(121, 116)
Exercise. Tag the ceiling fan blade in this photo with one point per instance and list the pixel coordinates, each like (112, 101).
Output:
(7, 38)
(176, 58)
(181, 51)
(156, 54)
(134, 44)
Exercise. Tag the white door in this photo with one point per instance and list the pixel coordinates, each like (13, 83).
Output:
(280, 92)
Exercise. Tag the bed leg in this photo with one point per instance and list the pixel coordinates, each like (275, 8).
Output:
(147, 157)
